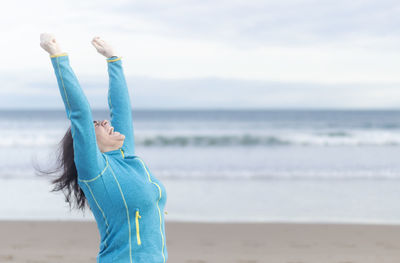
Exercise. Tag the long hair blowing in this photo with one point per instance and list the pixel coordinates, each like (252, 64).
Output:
(66, 174)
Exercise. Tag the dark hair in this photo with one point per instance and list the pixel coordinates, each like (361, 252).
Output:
(66, 174)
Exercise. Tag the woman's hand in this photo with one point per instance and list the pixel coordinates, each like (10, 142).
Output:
(49, 43)
(103, 47)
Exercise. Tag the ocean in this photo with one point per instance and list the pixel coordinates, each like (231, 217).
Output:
(227, 165)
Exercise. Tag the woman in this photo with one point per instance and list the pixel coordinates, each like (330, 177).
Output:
(100, 166)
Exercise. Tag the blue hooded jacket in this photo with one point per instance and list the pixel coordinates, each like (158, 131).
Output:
(126, 199)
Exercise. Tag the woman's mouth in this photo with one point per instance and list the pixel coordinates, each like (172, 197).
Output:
(113, 133)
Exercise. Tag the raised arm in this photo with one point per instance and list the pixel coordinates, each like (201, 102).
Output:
(118, 96)
(88, 159)
(119, 104)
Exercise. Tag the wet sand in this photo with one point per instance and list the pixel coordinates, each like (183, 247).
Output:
(70, 241)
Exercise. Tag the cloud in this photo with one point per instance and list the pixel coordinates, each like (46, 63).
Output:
(215, 93)
(255, 23)
(287, 53)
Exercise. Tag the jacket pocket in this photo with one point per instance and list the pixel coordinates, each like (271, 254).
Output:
(137, 216)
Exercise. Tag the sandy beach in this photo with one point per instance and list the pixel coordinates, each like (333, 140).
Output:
(55, 241)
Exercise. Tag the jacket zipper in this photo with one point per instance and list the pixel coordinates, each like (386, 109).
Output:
(137, 226)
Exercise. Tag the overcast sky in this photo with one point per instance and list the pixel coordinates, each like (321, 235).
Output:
(209, 54)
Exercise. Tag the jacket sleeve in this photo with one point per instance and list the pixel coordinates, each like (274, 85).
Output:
(120, 105)
(88, 159)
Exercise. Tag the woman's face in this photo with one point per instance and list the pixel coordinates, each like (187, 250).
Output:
(107, 138)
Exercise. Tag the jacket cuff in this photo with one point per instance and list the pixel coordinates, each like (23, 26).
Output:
(113, 59)
(59, 55)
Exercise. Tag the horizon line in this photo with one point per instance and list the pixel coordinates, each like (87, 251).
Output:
(217, 109)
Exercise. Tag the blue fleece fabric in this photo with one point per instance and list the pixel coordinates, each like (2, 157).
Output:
(126, 199)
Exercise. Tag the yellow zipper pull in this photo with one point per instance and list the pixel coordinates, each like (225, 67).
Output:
(137, 227)
(166, 212)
